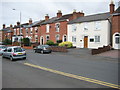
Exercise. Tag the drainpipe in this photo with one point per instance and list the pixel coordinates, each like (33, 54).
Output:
(110, 21)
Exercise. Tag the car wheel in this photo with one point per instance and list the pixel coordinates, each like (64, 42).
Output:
(3, 56)
(11, 58)
(42, 51)
(24, 58)
(35, 51)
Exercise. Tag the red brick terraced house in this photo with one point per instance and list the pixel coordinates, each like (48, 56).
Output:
(6, 33)
(55, 28)
(116, 28)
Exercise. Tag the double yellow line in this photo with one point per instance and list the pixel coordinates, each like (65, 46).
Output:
(76, 76)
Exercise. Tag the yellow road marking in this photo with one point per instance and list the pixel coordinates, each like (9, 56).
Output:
(76, 76)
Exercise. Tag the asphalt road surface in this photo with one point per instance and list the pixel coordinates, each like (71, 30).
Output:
(18, 75)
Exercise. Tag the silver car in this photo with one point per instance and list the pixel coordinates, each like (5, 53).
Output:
(2, 48)
(15, 52)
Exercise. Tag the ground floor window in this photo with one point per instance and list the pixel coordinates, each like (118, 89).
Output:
(97, 38)
(73, 38)
(47, 37)
(57, 37)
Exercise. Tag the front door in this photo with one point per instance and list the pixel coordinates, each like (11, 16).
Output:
(85, 41)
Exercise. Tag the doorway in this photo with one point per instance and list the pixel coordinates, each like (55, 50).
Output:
(85, 41)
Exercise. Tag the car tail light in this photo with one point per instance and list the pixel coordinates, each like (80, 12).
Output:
(0, 49)
(14, 54)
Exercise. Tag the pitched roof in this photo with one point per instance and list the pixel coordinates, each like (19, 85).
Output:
(95, 17)
(49, 21)
(55, 19)
(7, 30)
(117, 10)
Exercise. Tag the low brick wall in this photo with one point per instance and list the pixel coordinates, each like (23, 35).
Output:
(58, 49)
(100, 50)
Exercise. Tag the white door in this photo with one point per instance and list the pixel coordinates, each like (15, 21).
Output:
(116, 41)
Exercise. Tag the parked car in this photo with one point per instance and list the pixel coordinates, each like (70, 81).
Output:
(14, 52)
(42, 49)
(2, 48)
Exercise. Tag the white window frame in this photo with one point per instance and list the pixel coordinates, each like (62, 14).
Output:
(14, 31)
(47, 28)
(85, 26)
(31, 30)
(97, 39)
(57, 37)
(36, 29)
(47, 38)
(26, 30)
(98, 25)
(57, 27)
(74, 39)
(74, 28)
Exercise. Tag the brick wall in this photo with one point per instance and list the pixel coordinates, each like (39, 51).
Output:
(115, 24)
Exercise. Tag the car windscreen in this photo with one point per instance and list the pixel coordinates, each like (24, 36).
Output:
(3, 47)
(18, 50)
(46, 46)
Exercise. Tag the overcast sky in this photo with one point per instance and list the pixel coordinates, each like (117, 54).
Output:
(37, 9)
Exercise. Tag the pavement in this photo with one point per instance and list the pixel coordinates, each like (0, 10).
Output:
(111, 53)
(86, 53)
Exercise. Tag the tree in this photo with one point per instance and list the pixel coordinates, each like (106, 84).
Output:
(26, 41)
(7, 42)
(49, 42)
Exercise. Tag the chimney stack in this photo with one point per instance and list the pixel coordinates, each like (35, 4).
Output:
(3, 26)
(74, 14)
(112, 7)
(59, 14)
(77, 14)
(18, 23)
(80, 14)
(30, 21)
(46, 17)
(11, 25)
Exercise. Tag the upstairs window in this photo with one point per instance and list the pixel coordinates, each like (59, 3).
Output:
(14, 31)
(47, 28)
(97, 25)
(74, 28)
(31, 30)
(27, 30)
(57, 26)
(85, 26)
(36, 29)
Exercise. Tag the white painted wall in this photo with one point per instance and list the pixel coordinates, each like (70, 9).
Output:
(104, 33)
(19, 37)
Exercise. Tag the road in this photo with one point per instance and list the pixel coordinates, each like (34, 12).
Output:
(18, 75)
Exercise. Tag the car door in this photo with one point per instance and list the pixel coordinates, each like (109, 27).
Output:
(39, 49)
(9, 52)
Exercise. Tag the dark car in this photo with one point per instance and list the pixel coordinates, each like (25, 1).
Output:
(42, 49)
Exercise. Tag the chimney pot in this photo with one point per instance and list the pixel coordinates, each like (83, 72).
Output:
(112, 7)
(59, 14)
(3, 26)
(30, 21)
(46, 17)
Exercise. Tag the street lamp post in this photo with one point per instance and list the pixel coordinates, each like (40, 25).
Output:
(20, 26)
